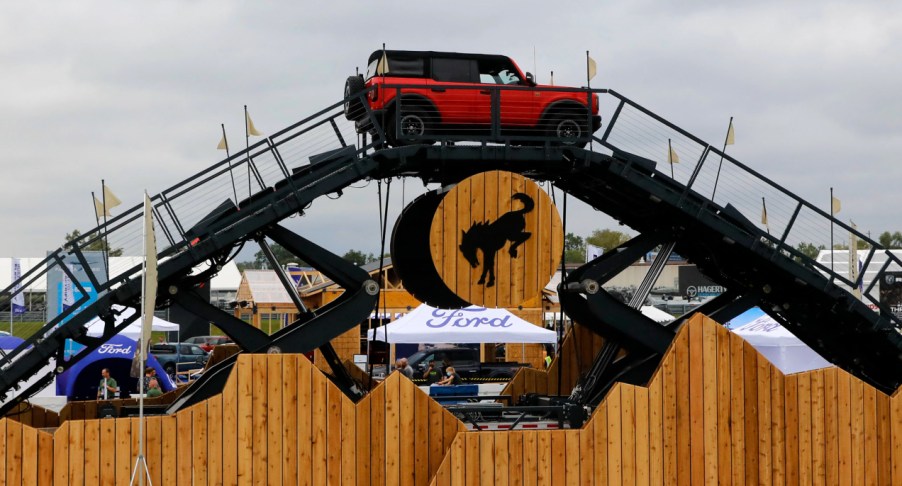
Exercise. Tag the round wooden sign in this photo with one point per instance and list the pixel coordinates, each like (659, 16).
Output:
(496, 239)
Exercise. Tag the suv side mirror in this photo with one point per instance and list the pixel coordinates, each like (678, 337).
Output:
(530, 78)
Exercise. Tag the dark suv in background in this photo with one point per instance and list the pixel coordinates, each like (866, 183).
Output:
(418, 95)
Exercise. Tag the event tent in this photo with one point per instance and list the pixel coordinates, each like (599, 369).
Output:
(473, 324)
(133, 330)
(776, 343)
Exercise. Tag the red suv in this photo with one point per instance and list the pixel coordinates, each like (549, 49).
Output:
(420, 95)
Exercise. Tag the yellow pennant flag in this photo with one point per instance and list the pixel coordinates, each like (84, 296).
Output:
(763, 213)
(251, 129)
(673, 157)
(382, 66)
(835, 205)
(109, 198)
(593, 67)
(731, 137)
(223, 143)
(99, 210)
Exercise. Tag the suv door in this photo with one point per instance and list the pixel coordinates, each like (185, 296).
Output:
(518, 101)
(458, 99)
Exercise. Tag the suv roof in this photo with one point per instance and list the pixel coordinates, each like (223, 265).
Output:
(414, 54)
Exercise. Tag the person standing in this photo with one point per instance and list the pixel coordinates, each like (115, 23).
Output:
(108, 388)
(153, 388)
(432, 373)
(405, 368)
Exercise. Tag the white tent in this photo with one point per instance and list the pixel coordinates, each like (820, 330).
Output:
(133, 330)
(473, 324)
(778, 345)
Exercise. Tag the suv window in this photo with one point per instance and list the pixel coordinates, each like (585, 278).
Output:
(162, 349)
(400, 65)
(497, 71)
(453, 70)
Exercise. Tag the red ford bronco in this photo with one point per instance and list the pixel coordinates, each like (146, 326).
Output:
(420, 95)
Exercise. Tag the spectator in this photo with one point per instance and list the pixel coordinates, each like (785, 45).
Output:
(153, 388)
(108, 388)
(405, 368)
(432, 374)
(149, 374)
(451, 377)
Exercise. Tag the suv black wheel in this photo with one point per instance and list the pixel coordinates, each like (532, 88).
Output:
(353, 107)
(568, 130)
(412, 128)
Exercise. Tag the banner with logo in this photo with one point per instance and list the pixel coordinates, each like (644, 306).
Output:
(695, 285)
(64, 291)
(891, 292)
(18, 301)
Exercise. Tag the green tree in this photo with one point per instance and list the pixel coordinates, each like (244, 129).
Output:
(607, 239)
(574, 249)
(96, 245)
(891, 240)
(809, 249)
(282, 255)
(358, 257)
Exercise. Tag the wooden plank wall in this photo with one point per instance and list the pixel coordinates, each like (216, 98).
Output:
(577, 352)
(716, 412)
(278, 421)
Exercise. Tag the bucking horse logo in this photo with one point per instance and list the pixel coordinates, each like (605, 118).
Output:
(491, 237)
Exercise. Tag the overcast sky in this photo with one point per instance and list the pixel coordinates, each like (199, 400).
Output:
(134, 92)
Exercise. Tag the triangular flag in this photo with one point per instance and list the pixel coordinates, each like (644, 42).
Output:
(109, 198)
(731, 136)
(763, 213)
(223, 143)
(98, 209)
(149, 294)
(593, 68)
(251, 129)
(836, 205)
(382, 66)
(673, 157)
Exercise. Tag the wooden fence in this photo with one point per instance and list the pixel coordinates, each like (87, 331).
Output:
(715, 412)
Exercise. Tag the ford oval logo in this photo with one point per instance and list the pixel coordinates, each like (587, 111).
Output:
(117, 349)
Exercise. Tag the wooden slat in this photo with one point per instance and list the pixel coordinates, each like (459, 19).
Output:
(765, 465)
(586, 457)
(319, 424)
(750, 390)
(818, 434)
(696, 403)
(76, 451)
(274, 419)
(107, 451)
(377, 436)
(407, 424)
(436, 447)
(724, 444)
(642, 460)
(170, 439)
(656, 431)
(682, 467)
(260, 446)
(124, 460)
(515, 458)
(501, 458)
(737, 409)
(349, 457)
(668, 415)
(458, 462)
(305, 421)
(486, 448)
(471, 448)
(896, 427)
(60, 454)
(614, 420)
(290, 418)
(831, 427)
(869, 404)
(452, 220)
(229, 426)
(490, 213)
(154, 448)
(628, 434)
(182, 443)
(363, 441)
(199, 464)
(13, 457)
(214, 440)
(32, 462)
(600, 439)
(530, 458)
(778, 427)
(503, 292)
(857, 414)
(245, 403)
(844, 410)
(45, 458)
(392, 429)
(709, 399)
(420, 439)
(884, 440)
(791, 416)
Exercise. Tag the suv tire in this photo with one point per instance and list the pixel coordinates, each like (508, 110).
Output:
(413, 126)
(568, 130)
(353, 106)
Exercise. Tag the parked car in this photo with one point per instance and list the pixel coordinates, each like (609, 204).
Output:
(207, 342)
(177, 357)
(456, 95)
(465, 362)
